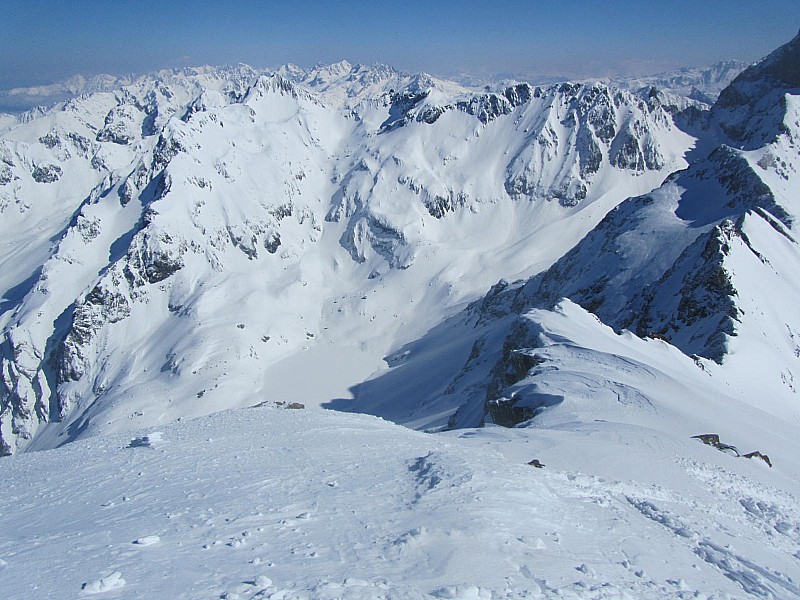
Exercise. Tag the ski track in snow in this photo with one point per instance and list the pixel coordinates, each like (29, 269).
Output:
(275, 503)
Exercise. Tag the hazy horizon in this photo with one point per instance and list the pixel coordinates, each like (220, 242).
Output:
(43, 42)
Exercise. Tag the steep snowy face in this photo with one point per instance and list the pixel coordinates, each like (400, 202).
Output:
(141, 224)
(537, 143)
(170, 245)
(705, 262)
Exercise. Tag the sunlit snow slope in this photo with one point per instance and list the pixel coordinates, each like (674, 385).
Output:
(311, 504)
(706, 262)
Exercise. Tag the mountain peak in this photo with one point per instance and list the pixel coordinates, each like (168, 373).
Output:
(751, 110)
(781, 67)
(326, 72)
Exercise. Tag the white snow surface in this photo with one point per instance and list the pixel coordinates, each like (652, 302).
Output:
(269, 502)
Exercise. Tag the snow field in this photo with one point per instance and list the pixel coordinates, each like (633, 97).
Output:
(273, 503)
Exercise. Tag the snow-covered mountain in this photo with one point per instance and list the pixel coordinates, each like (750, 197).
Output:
(616, 417)
(283, 203)
(169, 246)
(22, 98)
(704, 262)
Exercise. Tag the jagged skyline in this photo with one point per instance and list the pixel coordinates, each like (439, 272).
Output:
(48, 41)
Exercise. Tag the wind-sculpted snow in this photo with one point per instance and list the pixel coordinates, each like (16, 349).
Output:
(170, 241)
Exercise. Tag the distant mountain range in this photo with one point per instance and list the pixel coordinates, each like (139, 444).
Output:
(699, 84)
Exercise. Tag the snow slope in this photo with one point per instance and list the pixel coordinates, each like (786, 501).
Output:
(320, 504)
(706, 261)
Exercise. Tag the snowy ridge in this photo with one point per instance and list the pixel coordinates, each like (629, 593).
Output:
(702, 262)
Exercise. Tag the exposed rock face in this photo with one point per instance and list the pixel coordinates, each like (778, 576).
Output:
(705, 302)
(101, 307)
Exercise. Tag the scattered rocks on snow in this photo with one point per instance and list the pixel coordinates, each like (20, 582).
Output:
(148, 441)
(758, 454)
(46, 173)
(712, 439)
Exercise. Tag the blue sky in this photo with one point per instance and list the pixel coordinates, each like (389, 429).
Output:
(42, 41)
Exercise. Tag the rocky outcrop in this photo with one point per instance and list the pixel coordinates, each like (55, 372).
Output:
(701, 316)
